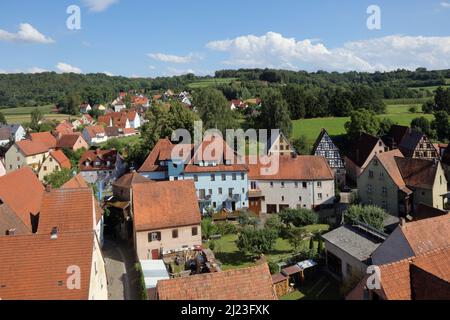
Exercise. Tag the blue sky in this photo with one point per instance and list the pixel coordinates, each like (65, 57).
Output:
(151, 38)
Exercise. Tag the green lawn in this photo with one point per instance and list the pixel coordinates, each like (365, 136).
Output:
(229, 255)
(398, 113)
(210, 82)
(325, 288)
(25, 110)
(23, 114)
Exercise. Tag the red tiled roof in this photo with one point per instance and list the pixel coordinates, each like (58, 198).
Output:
(68, 140)
(76, 182)
(31, 148)
(427, 234)
(294, 168)
(70, 210)
(156, 206)
(22, 191)
(64, 128)
(61, 158)
(161, 152)
(34, 267)
(396, 278)
(254, 283)
(103, 156)
(119, 119)
(127, 180)
(45, 138)
(93, 131)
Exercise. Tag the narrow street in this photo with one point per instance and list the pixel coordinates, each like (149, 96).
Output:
(121, 275)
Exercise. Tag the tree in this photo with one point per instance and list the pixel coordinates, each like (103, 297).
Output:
(362, 121)
(442, 99)
(428, 107)
(299, 217)
(36, 118)
(58, 178)
(256, 241)
(275, 112)
(441, 124)
(422, 124)
(295, 98)
(371, 215)
(302, 146)
(385, 127)
(295, 236)
(3, 119)
(208, 228)
(247, 219)
(212, 107)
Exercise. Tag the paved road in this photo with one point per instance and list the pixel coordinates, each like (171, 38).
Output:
(122, 279)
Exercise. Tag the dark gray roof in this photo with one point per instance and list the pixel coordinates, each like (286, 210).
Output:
(5, 133)
(12, 127)
(10, 221)
(353, 241)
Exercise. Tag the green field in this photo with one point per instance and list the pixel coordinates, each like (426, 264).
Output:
(23, 114)
(210, 82)
(310, 128)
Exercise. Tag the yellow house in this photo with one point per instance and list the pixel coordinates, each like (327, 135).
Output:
(26, 153)
(56, 161)
(398, 184)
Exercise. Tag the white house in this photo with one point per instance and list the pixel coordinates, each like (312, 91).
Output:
(298, 182)
(94, 135)
(16, 131)
(119, 107)
(134, 119)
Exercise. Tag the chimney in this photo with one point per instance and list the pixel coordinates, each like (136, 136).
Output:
(54, 233)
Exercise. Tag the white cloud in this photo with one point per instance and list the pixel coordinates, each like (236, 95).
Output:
(27, 33)
(152, 67)
(108, 73)
(178, 72)
(37, 70)
(173, 58)
(99, 5)
(67, 68)
(445, 5)
(273, 50)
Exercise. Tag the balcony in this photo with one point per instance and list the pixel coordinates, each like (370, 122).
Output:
(256, 193)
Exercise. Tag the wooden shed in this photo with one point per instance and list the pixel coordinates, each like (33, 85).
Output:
(281, 284)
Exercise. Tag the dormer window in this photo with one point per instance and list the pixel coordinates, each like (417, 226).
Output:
(87, 163)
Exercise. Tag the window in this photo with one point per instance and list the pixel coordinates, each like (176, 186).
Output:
(213, 177)
(234, 176)
(370, 174)
(271, 184)
(296, 184)
(220, 190)
(282, 198)
(51, 159)
(319, 184)
(348, 269)
(224, 177)
(305, 185)
(253, 185)
(319, 196)
(154, 236)
(300, 199)
(45, 168)
(175, 234)
(195, 178)
(230, 192)
(282, 184)
(194, 231)
(210, 192)
(242, 176)
(369, 188)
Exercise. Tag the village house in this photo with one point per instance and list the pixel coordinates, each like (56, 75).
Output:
(361, 152)
(122, 186)
(251, 283)
(220, 184)
(2, 166)
(103, 166)
(162, 224)
(119, 106)
(134, 119)
(115, 119)
(65, 127)
(45, 138)
(26, 153)
(94, 135)
(16, 131)
(325, 147)
(412, 143)
(280, 145)
(85, 108)
(398, 184)
(348, 250)
(55, 161)
(21, 191)
(5, 136)
(72, 142)
(140, 101)
(300, 182)
(413, 263)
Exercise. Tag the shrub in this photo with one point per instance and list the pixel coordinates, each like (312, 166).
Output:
(256, 241)
(247, 219)
(208, 228)
(299, 217)
(273, 267)
(225, 228)
(142, 287)
(371, 215)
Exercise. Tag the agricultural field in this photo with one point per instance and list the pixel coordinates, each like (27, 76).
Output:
(210, 82)
(310, 128)
(23, 114)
